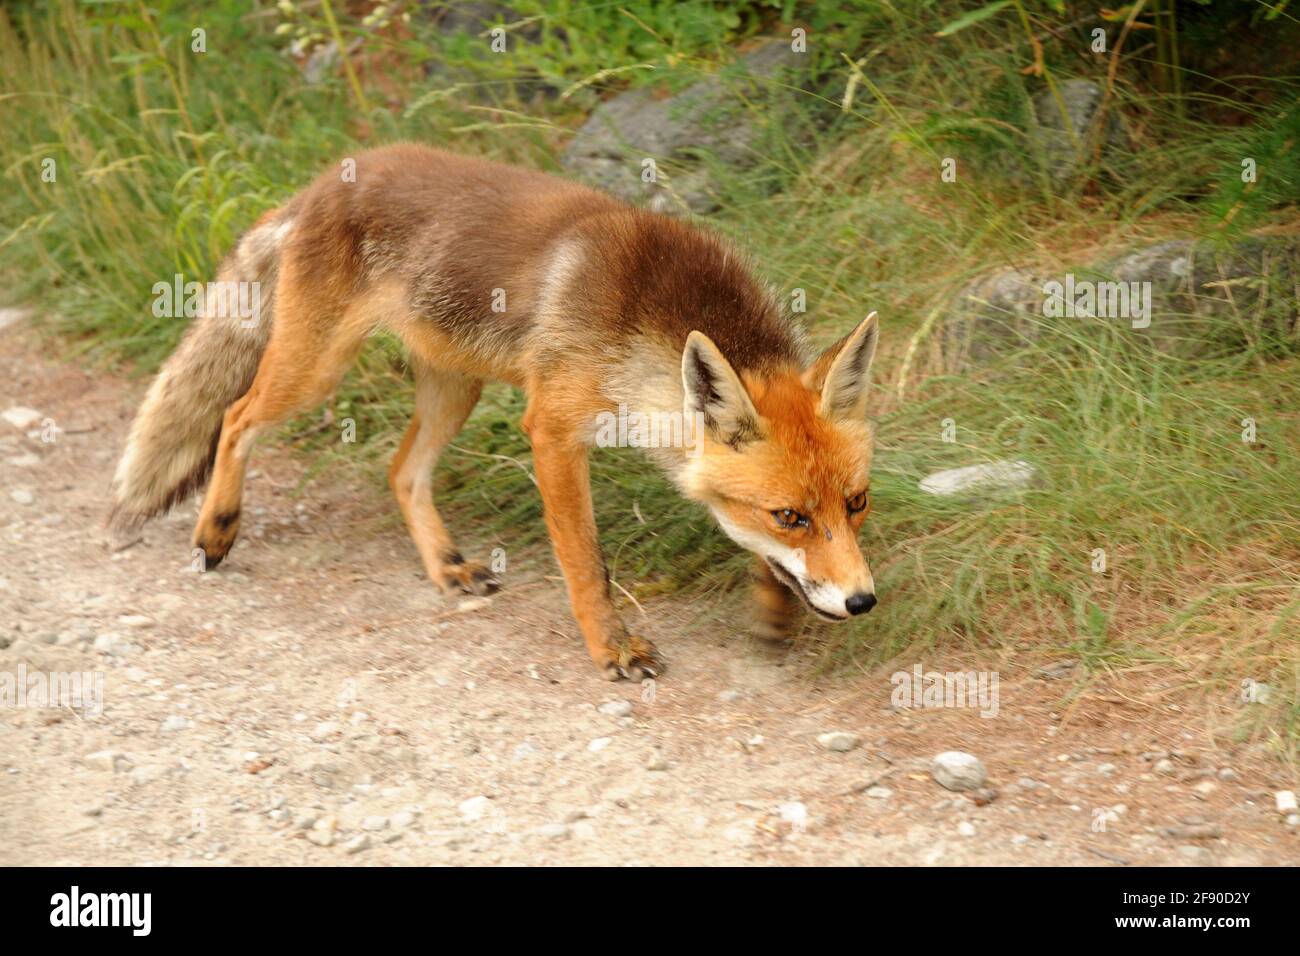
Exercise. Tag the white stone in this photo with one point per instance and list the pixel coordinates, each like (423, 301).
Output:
(975, 479)
(20, 416)
(474, 808)
(839, 741)
(955, 770)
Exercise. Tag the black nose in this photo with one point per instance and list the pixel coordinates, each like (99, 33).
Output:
(860, 603)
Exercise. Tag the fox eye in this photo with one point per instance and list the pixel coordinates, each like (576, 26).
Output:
(859, 502)
(789, 518)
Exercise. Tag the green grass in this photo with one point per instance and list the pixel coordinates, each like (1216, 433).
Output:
(163, 155)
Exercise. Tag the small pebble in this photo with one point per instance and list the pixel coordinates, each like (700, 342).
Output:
(358, 843)
(839, 741)
(616, 708)
(955, 770)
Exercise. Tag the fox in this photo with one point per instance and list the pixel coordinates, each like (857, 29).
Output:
(492, 272)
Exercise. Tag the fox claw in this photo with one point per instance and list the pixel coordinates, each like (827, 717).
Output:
(470, 577)
(633, 659)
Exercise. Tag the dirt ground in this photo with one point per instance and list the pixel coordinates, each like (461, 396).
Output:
(315, 701)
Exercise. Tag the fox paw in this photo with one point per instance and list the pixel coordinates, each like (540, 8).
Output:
(216, 536)
(631, 658)
(468, 577)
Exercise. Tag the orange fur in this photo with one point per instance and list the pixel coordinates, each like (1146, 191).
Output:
(493, 272)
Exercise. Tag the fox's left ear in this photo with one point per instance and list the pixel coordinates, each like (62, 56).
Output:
(843, 372)
(715, 392)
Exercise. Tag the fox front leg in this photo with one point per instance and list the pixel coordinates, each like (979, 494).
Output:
(563, 476)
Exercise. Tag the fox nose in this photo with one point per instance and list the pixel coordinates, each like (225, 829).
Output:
(859, 603)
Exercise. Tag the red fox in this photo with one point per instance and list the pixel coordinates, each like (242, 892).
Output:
(487, 271)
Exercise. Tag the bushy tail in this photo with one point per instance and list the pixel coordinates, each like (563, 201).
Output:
(173, 440)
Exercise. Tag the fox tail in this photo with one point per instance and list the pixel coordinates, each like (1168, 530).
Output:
(173, 440)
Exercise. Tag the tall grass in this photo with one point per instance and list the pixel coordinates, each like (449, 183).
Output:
(162, 155)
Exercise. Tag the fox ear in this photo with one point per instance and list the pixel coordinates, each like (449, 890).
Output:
(714, 391)
(843, 372)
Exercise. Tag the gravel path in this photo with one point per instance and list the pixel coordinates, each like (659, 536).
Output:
(314, 701)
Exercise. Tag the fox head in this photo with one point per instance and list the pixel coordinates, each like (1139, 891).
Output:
(785, 465)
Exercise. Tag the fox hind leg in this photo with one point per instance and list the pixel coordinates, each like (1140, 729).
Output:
(304, 362)
(443, 400)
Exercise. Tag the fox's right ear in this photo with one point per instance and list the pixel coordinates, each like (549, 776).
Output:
(843, 372)
(714, 391)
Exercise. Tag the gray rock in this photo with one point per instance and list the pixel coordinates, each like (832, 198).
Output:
(616, 708)
(114, 644)
(476, 16)
(1193, 831)
(1194, 299)
(110, 760)
(996, 315)
(839, 741)
(1209, 298)
(707, 118)
(358, 843)
(955, 770)
(176, 722)
(1067, 131)
(554, 831)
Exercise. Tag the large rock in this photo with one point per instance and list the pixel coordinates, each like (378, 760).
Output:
(679, 132)
(1208, 298)
(496, 74)
(1191, 299)
(1068, 131)
(995, 315)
